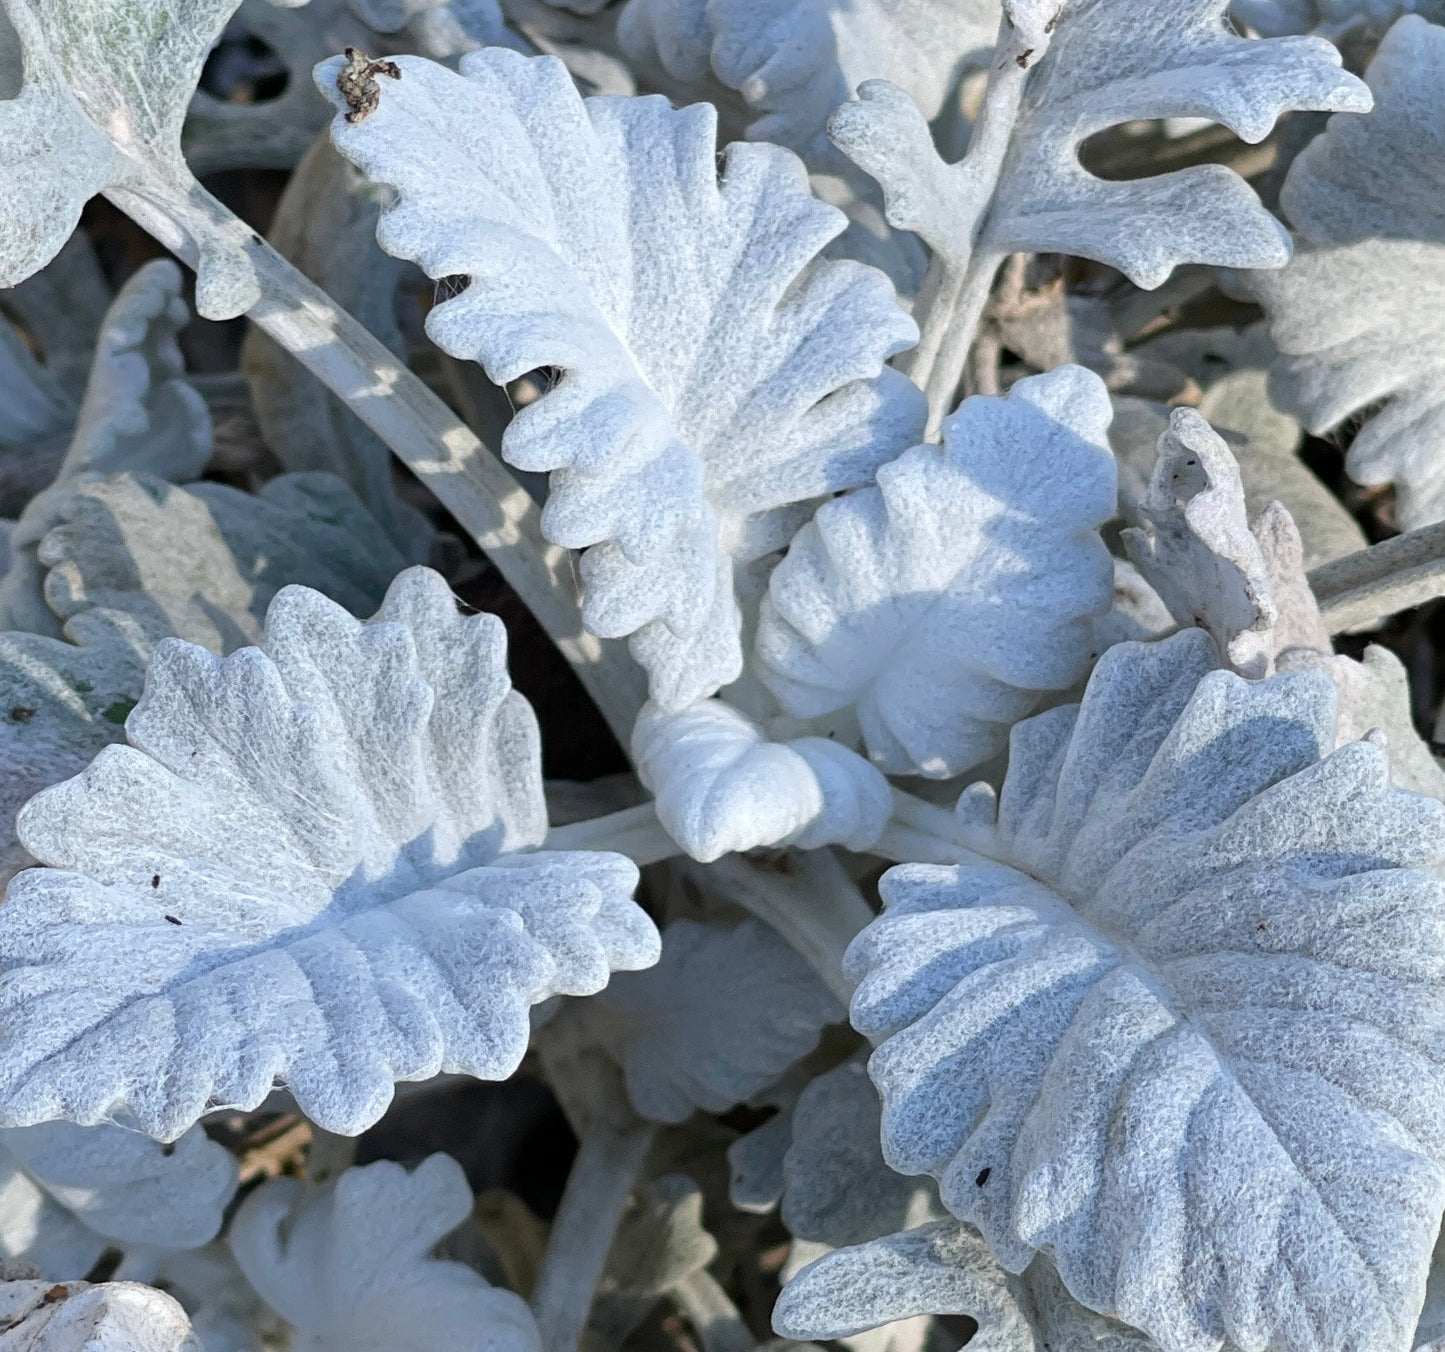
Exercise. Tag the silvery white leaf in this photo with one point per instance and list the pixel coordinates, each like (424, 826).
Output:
(203, 563)
(325, 224)
(1356, 314)
(794, 63)
(36, 1316)
(1209, 926)
(755, 1165)
(1195, 547)
(715, 375)
(939, 1268)
(1107, 62)
(660, 1240)
(311, 864)
(837, 1189)
(720, 786)
(139, 413)
(60, 703)
(105, 92)
(67, 1193)
(941, 603)
(347, 1265)
(1137, 613)
(226, 1313)
(721, 1016)
(156, 561)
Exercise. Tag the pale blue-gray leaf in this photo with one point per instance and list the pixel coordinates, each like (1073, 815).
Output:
(1186, 1034)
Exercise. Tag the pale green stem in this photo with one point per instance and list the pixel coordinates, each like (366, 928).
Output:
(712, 1314)
(1356, 591)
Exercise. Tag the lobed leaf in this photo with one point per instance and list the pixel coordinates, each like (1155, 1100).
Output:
(347, 1265)
(1103, 63)
(1184, 1036)
(715, 378)
(1355, 316)
(308, 866)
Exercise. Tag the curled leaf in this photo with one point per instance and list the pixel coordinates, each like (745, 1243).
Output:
(721, 786)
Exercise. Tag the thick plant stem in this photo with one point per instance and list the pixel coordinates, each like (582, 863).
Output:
(419, 428)
(603, 1175)
(713, 1316)
(1356, 591)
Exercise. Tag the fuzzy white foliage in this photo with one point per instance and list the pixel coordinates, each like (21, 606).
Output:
(1208, 926)
(308, 866)
(717, 378)
(1196, 548)
(104, 95)
(721, 786)
(720, 1017)
(1357, 315)
(347, 1265)
(1105, 62)
(938, 1268)
(68, 1193)
(794, 63)
(1333, 18)
(138, 413)
(36, 1316)
(940, 603)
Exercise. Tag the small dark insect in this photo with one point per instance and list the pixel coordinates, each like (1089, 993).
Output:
(155, 879)
(168, 1149)
(1049, 27)
(357, 83)
(57, 1292)
(21, 713)
(982, 1177)
(1023, 58)
(171, 920)
(256, 239)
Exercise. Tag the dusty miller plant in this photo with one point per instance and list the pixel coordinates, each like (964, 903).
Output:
(1017, 915)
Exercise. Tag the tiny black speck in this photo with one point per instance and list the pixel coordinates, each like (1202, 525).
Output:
(256, 239)
(982, 1176)
(155, 879)
(21, 713)
(171, 920)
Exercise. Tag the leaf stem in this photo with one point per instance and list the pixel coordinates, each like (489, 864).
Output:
(955, 292)
(1361, 588)
(420, 429)
(608, 1164)
(635, 832)
(712, 1314)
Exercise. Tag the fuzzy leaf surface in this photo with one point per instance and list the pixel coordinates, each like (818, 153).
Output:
(67, 1193)
(1102, 63)
(720, 1017)
(1356, 314)
(941, 602)
(1186, 1034)
(77, 1317)
(715, 377)
(347, 1266)
(308, 866)
(105, 92)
